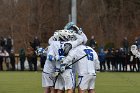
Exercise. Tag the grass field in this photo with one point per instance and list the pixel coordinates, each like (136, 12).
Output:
(106, 82)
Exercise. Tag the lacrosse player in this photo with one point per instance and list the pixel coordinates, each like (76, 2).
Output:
(71, 26)
(48, 77)
(86, 67)
(134, 50)
(58, 48)
(63, 35)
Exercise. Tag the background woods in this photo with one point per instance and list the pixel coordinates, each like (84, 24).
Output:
(109, 20)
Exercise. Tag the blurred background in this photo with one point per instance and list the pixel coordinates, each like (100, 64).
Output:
(109, 21)
(111, 26)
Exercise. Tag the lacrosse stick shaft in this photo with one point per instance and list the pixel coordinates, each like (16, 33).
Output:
(68, 66)
(77, 60)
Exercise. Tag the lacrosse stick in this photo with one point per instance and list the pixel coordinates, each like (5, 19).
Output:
(68, 67)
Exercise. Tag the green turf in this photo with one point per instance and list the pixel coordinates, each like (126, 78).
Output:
(116, 82)
(20, 82)
(106, 82)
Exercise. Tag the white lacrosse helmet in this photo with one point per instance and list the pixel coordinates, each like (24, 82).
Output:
(64, 34)
(56, 35)
(134, 49)
(39, 51)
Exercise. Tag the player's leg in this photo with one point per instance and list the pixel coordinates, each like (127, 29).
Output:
(47, 90)
(74, 76)
(91, 91)
(69, 80)
(59, 85)
(60, 91)
(80, 90)
(82, 83)
(53, 90)
(47, 82)
(91, 85)
(69, 90)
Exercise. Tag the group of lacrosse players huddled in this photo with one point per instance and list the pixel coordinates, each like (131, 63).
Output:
(67, 55)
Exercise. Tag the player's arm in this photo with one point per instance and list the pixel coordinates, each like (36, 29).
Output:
(67, 60)
(50, 54)
(51, 39)
(97, 62)
(138, 55)
(71, 55)
(78, 41)
(80, 32)
(131, 58)
(84, 38)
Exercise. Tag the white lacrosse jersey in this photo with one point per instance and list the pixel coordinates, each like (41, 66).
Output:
(49, 66)
(57, 47)
(86, 65)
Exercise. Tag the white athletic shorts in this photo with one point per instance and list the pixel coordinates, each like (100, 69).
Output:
(47, 80)
(65, 81)
(86, 81)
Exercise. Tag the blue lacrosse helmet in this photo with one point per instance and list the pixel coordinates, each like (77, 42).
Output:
(69, 25)
(40, 51)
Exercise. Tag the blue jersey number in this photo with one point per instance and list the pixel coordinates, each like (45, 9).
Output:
(61, 52)
(89, 53)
